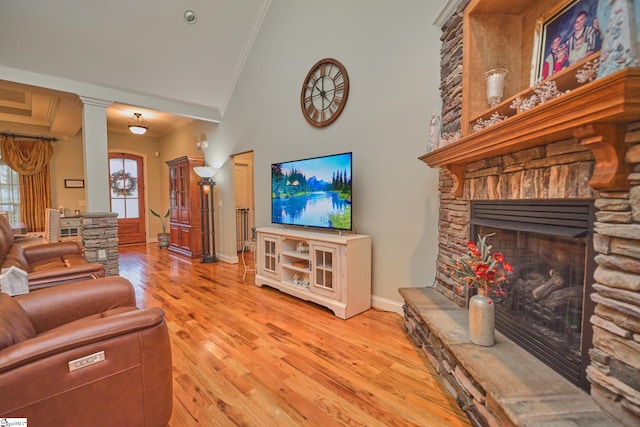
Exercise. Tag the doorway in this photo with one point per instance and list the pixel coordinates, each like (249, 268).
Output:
(245, 221)
(126, 179)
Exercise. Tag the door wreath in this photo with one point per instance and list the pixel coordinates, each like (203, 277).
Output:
(123, 184)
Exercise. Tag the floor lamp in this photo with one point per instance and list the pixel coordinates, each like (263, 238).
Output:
(206, 213)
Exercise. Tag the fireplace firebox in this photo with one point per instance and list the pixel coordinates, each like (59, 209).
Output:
(546, 306)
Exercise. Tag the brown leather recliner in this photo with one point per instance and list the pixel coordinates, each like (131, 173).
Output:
(82, 354)
(47, 264)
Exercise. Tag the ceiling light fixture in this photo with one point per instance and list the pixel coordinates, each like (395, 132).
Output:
(138, 125)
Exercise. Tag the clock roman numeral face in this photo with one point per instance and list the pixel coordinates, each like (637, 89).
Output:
(324, 92)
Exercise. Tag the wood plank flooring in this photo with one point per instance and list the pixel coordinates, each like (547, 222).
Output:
(250, 356)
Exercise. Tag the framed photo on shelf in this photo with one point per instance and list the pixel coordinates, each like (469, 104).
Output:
(564, 36)
(74, 183)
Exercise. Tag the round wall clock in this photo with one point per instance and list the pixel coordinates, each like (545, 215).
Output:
(324, 92)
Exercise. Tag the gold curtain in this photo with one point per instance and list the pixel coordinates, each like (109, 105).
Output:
(31, 160)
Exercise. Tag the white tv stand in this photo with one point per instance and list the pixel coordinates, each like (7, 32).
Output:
(328, 269)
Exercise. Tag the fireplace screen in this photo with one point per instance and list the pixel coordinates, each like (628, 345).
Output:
(542, 308)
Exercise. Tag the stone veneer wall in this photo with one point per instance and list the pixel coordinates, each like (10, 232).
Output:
(99, 231)
(451, 70)
(614, 372)
(556, 171)
(452, 211)
(559, 170)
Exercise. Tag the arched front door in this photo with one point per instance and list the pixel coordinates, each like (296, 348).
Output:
(126, 179)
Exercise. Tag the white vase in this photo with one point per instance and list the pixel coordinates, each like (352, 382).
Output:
(482, 320)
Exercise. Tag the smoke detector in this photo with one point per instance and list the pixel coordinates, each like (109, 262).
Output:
(190, 17)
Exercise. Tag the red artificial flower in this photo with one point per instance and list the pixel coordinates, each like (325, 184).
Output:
(481, 269)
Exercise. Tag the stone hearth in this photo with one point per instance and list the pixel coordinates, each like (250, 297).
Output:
(501, 385)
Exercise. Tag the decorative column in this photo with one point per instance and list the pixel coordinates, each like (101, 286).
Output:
(96, 156)
(99, 232)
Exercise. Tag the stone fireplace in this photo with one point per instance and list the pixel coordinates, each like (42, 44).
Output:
(578, 150)
(545, 306)
(598, 252)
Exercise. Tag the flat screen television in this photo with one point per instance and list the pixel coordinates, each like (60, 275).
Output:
(314, 192)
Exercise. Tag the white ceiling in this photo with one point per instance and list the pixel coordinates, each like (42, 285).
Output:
(142, 47)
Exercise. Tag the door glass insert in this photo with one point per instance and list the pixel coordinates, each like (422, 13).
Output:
(124, 182)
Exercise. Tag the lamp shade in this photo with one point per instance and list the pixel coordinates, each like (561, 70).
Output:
(205, 172)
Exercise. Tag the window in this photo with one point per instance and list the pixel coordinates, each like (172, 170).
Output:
(9, 192)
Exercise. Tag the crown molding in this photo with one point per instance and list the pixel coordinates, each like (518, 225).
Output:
(447, 12)
(246, 49)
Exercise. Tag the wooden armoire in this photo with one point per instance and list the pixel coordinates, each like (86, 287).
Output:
(185, 222)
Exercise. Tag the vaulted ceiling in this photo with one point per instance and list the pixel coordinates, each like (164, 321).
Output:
(143, 47)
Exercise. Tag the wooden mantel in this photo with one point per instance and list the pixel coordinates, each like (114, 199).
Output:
(595, 113)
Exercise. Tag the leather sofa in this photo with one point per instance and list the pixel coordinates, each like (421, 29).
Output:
(47, 264)
(82, 354)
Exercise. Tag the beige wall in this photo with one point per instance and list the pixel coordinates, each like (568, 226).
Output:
(178, 143)
(67, 159)
(67, 163)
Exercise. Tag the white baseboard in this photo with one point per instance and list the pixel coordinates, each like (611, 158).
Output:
(228, 259)
(387, 305)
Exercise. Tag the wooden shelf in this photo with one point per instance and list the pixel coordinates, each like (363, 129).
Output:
(596, 113)
(565, 81)
(497, 34)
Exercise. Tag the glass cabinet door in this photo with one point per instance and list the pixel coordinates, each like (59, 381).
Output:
(172, 187)
(270, 257)
(325, 270)
(183, 187)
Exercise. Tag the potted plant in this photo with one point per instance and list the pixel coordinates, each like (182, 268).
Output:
(164, 237)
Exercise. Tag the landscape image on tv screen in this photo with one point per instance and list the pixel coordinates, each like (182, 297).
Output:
(312, 192)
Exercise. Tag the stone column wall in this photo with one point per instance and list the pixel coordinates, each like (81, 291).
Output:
(614, 372)
(453, 234)
(99, 231)
(454, 217)
(451, 70)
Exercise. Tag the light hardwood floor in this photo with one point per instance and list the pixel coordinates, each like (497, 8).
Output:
(250, 356)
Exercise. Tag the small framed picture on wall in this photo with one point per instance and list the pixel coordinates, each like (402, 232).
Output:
(74, 183)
